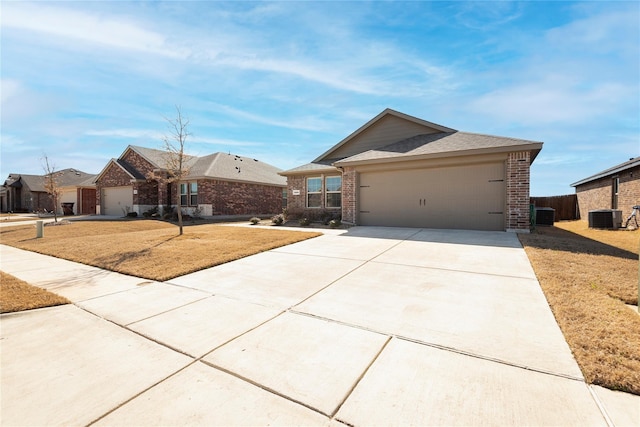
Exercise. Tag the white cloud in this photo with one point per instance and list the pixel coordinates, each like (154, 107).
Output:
(85, 28)
(126, 133)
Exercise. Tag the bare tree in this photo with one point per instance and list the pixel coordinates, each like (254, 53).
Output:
(176, 159)
(51, 185)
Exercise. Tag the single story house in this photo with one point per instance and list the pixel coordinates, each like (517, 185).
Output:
(399, 170)
(615, 188)
(27, 193)
(217, 184)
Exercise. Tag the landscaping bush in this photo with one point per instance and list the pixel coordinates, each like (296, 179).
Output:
(254, 220)
(335, 223)
(304, 221)
(278, 219)
(132, 214)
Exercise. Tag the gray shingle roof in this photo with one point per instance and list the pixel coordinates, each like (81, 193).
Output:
(450, 143)
(631, 163)
(309, 167)
(236, 168)
(64, 178)
(221, 166)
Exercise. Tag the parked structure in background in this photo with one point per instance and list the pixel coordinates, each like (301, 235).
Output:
(399, 170)
(217, 184)
(616, 188)
(27, 193)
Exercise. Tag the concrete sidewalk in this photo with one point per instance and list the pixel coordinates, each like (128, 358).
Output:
(370, 326)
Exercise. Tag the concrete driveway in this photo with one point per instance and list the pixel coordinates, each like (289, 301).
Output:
(373, 326)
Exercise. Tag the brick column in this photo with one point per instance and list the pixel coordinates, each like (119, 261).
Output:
(518, 175)
(349, 195)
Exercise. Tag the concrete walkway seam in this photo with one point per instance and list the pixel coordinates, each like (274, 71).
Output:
(442, 347)
(601, 406)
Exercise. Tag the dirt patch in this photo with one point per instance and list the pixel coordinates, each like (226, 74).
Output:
(587, 276)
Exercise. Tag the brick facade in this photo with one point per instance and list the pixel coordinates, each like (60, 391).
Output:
(237, 198)
(349, 195)
(518, 176)
(215, 197)
(297, 204)
(598, 194)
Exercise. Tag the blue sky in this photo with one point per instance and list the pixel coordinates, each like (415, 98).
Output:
(284, 81)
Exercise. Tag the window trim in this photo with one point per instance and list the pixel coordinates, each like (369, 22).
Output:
(320, 192)
(327, 192)
(189, 194)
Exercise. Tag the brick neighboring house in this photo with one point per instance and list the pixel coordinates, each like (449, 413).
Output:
(615, 188)
(217, 184)
(27, 193)
(399, 170)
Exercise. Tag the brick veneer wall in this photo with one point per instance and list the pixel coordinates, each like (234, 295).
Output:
(237, 198)
(297, 205)
(597, 194)
(349, 195)
(518, 178)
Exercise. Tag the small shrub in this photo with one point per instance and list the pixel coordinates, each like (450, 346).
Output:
(278, 219)
(132, 214)
(153, 212)
(197, 212)
(335, 223)
(304, 221)
(254, 220)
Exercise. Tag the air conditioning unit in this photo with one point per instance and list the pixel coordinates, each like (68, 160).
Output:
(545, 216)
(605, 218)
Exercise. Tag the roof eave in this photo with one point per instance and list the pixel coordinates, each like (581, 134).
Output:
(606, 173)
(534, 148)
(308, 171)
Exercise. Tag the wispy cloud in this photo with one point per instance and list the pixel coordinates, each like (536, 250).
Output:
(86, 28)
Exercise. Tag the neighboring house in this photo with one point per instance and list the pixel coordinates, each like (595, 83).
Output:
(27, 193)
(614, 188)
(217, 184)
(398, 170)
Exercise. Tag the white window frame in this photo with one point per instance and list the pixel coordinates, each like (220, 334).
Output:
(314, 192)
(327, 192)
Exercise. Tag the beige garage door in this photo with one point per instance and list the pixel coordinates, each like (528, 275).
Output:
(116, 199)
(458, 197)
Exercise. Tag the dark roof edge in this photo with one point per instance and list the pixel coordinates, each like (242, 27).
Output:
(616, 169)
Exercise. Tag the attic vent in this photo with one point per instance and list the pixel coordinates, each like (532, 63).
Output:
(255, 160)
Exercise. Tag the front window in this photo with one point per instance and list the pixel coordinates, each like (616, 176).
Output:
(314, 192)
(183, 194)
(333, 186)
(193, 194)
(615, 186)
(189, 194)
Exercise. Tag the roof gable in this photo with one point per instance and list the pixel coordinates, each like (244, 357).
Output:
(387, 127)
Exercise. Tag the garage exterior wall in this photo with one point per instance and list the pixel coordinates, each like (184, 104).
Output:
(597, 194)
(517, 186)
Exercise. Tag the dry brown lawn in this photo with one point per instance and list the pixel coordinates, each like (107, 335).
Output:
(16, 295)
(148, 248)
(587, 276)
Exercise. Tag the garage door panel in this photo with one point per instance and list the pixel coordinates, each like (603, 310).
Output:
(467, 197)
(116, 200)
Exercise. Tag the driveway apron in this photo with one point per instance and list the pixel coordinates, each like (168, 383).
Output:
(374, 326)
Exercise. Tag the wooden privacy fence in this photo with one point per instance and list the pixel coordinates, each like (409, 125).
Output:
(566, 206)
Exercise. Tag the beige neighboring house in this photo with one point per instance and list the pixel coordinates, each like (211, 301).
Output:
(27, 193)
(616, 188)
(402, 171)
(217, 184)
